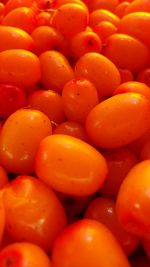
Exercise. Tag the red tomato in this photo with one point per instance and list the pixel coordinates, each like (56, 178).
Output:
(11, 99)
(70, 165)
(103, 211)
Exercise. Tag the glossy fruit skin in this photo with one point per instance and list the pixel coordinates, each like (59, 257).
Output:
(133, 201)
(126, 52)
(133, 87)
(100, 15)
(140, 29)
(138, 6)
(21, 17)
(15, 38)
(87, 237)
(23, 253)
(75, 14)
(14, 71)
(49, 102)
(120, 161)
(79, 96)
(2, 217)
(33, 212)
(13, 4)
(102, 4)
(126, 75)
(120, 110)
(100, 71)
(70, 165)
(104, 29)
(56, 70)
(48, 38)
(103, 210)
(84, 42)
(19, 139)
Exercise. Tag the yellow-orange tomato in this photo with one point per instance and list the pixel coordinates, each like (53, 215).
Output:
(100, 71)
(87, 243)
(70, 165)
(43, 18)
(103, 210)
(21, 17)
(104, 29)
(126, 52)
(102, 15)
(48, 38)
(84, 42)
(133, 201)
(19, 67)
(140, 22)
(133, 87)
(33, 212)
(99, 4)
(13, 4)
(56, 70)
(49, 102)
(70, 19)
(15, 38)
(120, 10)
(138, 5)
(79, 96)
(114, 122)
(119, 161)
(24, 253)
(19, 138)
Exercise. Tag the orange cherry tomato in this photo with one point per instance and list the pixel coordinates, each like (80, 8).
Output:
(74, 129)
(100, 15)
(19, 138)
(21, 254)
(84, 42)
(104, 29)
(15, 38)
(126, 75)
(49, 102)
(133, 201)
(140, 22)
(119, 161)
(138, 6)
(102, 4)
(133, 87)
(103, 211)
(11, 99)
(120, 10)
(70, 165)
(144, 76)
(100, 71)
(3, 177)
(126, 52)
(33, 212)
(14, 71)
(2, 9)
(12, 4)
(48, 38)
(21, 17)
(87, 243)
(56, 70)
(43, 18)
(70, 19)
(58, 3)
(114, 122)
(79, 96)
